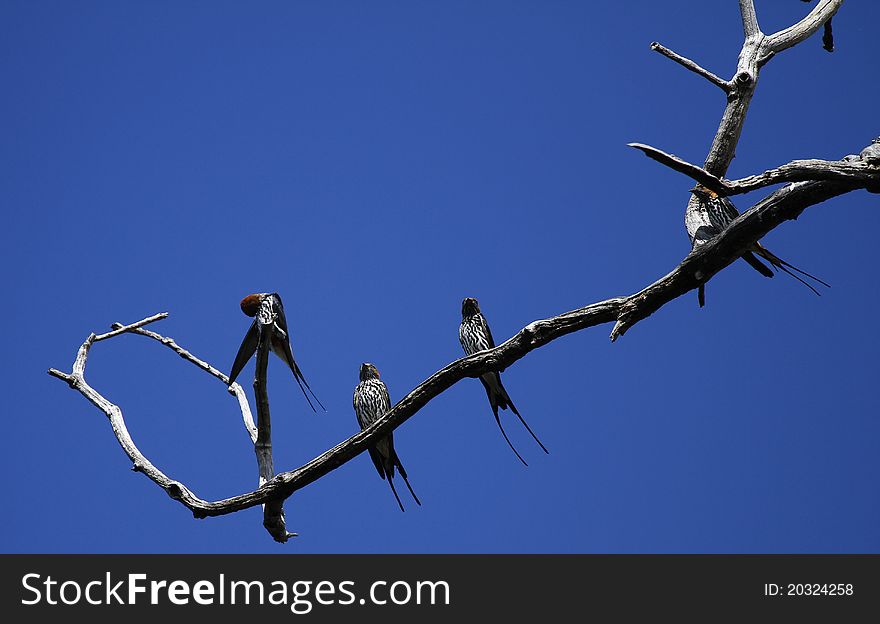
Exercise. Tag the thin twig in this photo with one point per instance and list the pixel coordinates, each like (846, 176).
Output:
(689, 64)
(234, 389)
(140, 463)
(118, 328)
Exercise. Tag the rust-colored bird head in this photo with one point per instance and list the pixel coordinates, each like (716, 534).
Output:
(250, 305)
(469, 307)
(369, 371)
(704, 193)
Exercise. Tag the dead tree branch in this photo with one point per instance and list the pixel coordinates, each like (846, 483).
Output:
(236, 390)
(76, 380)
(812, 182)
(861, 173)
(793, 35)
(724, 85)
(273, 510)
(719, 185)
(696, 268)
(749, 18)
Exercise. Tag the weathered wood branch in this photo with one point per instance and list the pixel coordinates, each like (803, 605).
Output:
(235, 389)
(793, 35)
(698, 267)
(724, 85)
(695, 269)
(118, 328)
(695, 172)
(757, 49)
(861, 174)
(76, 380)
(813, 181)
(273, 510)
(749, 18)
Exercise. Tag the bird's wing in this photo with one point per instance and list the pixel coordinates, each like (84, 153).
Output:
(280, 318)
(704, 234)
(360, 405)
(286, 353)
(729, 209)
(487, 331)
(245, 351)
(385, 399)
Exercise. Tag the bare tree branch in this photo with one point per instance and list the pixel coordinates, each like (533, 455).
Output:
(859, 173)
(76, 380)
(118, 328)
(707, 259)
(724, 85)
(732, 120)
(757, 50)
(273, 511)
(273, 514)
(695, 172)
(234, 389)
(749, 18)
(814, 181)
(793, 35)
(695, 269)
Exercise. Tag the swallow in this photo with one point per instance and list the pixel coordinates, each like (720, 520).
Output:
(267, 310)
(475, 336)
(371, 401)
(710, 214)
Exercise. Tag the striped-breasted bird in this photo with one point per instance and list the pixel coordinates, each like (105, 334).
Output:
(268, 311)
(371, 401)
(708, 214)
(475, 336)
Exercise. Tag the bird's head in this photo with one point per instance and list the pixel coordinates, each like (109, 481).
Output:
(369, 371)
(703, 192)
(250, 305)
(469, 307)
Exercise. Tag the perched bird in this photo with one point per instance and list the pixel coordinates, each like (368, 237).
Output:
(267, 310)
(709, 214)
(475, 336)
(371, 401)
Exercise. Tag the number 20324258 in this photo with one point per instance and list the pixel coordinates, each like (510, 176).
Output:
(808, 589)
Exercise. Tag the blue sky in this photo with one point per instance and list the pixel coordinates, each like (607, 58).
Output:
(375, 163)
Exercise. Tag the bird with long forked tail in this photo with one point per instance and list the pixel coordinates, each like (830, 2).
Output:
(475, 336)
(708, 214)
(268, 311)
(371, 401)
